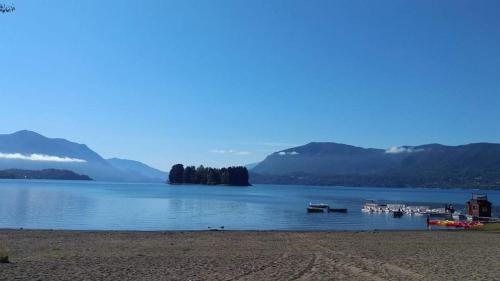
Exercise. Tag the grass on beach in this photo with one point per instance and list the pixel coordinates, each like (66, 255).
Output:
(492, 227)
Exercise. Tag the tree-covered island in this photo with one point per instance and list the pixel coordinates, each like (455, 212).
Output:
(237, 176)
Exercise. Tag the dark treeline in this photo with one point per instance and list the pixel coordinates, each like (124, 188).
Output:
(417, 179)
(211, 176)
(6, 8)
(47, 174)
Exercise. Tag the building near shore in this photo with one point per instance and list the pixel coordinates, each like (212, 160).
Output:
(479, 206)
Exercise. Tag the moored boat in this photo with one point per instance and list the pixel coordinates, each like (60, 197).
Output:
(397, 214)
(315, 210)
(462, 224)
(337, 210)
(318, 205)
(372, 207)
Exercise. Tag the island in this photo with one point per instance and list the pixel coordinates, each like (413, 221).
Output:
(46, 174)
(235, 176)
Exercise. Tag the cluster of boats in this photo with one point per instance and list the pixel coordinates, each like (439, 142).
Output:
(401, 209)
(324, 208)
(443, 217)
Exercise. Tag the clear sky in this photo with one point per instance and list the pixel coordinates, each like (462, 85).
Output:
(228, 82)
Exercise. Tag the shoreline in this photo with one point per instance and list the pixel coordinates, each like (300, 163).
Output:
(234, 230)
(441, 229)
(472, 189)
(250, 255)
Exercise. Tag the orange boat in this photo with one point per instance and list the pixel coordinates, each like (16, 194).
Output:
(464, 224)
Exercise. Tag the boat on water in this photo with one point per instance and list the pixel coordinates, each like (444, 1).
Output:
(337, 210)
(315, 210)
(318, 205)
(397, 214)
(372, 207)
(323, 207)
(457, 224)
(460, 217)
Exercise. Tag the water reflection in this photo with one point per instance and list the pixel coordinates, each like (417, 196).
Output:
(97, 205)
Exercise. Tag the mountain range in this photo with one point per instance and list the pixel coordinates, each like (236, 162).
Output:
(31, 151)
(474, 165)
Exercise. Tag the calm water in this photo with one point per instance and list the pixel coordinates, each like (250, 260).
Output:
(123, 206)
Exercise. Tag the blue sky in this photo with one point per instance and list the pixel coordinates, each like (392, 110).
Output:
(228, 82)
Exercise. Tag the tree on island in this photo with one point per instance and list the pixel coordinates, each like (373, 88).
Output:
(201, 175)
(190, 175)
(6, 8)
(213, 176)
(176, 174)
(237, 176)
(224, 176)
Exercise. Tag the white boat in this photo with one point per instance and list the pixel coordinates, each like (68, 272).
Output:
(416, 210)
(318, 205)
(372, 207)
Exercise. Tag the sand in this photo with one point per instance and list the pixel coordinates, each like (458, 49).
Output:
(395, 255)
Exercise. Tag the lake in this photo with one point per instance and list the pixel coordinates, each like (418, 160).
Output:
(131, 206)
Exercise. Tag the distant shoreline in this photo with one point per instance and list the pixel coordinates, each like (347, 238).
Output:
(274, 184)
(44, 179)
(44, 174)
(380, 186)
(219, 230)
(199, 184)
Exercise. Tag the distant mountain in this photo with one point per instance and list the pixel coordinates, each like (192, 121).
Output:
(138, 167)
(48, 174)
(431, 165)
(28, 142)
(251, 165)
(31, 151)
(325, 159)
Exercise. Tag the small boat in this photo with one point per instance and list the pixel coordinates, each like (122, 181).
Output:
(458, 216)
(372, 207)
(318, 205)
(315, 210)
(397, 214)
(337, 210)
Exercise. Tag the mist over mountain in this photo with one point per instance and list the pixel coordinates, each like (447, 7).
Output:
(31, 151)
(432, 165)
(28, 142)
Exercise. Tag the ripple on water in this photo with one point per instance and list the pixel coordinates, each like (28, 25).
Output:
(117, 206)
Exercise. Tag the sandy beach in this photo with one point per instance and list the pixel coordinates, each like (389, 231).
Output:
(396, 255)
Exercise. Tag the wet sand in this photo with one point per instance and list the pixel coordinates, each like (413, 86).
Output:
(395, 255)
